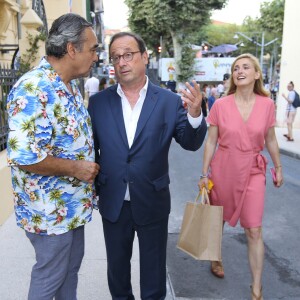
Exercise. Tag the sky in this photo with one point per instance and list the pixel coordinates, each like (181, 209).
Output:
(116, 12)
(236, 11)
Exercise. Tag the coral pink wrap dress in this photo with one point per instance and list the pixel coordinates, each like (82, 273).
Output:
(238, 168)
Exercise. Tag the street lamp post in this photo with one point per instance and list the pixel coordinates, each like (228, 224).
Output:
(262, 45)
(160, 45)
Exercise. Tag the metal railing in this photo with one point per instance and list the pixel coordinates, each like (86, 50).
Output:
(8, 77)
(39, 8)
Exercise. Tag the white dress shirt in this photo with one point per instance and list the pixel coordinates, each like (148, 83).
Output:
(131, 117)
(92, 86)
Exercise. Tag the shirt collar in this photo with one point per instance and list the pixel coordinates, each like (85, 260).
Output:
(143, 91)
(45, 64)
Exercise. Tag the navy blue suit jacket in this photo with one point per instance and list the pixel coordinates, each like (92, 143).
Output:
(144, 166)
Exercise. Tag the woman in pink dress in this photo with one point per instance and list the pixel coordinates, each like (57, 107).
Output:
(241, 124)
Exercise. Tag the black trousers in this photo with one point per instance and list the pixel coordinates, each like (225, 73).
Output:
(152, 238)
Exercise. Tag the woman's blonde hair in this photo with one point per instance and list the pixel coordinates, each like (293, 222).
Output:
(258, 86)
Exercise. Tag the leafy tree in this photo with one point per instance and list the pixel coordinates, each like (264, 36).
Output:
(31, 54)
(272, 17)
(221, 34)
(252, 28)
(270, 22)
(174, 20)
(186, 63)
(184, 22)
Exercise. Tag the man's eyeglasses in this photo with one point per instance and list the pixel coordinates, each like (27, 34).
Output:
(128, 56)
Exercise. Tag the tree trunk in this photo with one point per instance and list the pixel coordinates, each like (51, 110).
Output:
(177, 47)
(177, 56)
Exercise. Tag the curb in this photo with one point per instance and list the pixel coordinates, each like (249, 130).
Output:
(289, 153)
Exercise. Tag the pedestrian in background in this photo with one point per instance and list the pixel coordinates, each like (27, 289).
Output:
(91, 86)
(266, 83)
(51, 155)
(134, 123)
(290, 111)
(103, 84)
(212, 98)
(226, 77)
(208, 90)
(240, 125)
(220, 89)
(111, 82)
(204, 100)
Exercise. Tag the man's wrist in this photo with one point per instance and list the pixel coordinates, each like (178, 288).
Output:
(195, 113)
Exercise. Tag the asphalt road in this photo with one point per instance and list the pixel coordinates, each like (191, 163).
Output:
(191, 279)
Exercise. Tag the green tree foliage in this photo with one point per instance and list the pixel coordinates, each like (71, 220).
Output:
(270, 22)
(31, 54)
(152, 18)
(174, 20)
(252, 28)
(217, 34)
(272, 17)
(184, 22)
(186, 64)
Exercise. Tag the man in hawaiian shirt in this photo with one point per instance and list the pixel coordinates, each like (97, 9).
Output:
(50, 151)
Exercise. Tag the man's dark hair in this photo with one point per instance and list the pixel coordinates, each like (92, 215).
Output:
(139, 40)
(68, 28)
(226, 76)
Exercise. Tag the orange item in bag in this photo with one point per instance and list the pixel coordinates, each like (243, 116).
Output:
(210, 185)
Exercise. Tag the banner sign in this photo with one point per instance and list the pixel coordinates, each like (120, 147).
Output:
(168, 69)
(206, 68)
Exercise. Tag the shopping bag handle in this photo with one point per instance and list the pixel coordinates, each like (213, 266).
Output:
(204, 197)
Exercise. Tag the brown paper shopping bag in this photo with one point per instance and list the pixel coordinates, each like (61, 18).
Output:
(201, 229)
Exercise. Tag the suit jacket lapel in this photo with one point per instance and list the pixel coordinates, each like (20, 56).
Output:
(148, 106)
(116, 107)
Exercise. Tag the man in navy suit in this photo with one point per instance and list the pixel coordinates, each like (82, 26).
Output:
(134, 122)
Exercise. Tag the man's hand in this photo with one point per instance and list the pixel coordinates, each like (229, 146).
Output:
(52, 166)
(193, 98)
(86, 170)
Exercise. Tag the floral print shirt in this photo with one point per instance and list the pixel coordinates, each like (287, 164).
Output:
(46, 119)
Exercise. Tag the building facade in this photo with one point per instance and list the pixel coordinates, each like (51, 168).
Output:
(290, 62)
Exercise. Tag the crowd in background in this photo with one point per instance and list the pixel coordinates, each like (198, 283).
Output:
(94, 84)
(210, 92)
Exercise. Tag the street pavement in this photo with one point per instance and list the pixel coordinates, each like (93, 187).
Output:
(17, 256)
